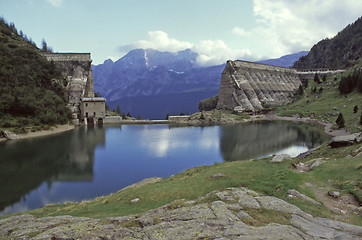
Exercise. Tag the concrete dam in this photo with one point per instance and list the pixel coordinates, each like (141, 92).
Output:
(77, 69)
(250, 87)
(247, 86)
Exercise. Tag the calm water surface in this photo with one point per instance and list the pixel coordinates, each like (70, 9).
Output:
(89, 162)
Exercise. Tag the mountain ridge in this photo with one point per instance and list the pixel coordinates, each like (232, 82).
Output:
(340, 51)
(163, 78)
(286, 60)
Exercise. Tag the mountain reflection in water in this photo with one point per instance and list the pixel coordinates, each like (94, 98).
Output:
(89, 162)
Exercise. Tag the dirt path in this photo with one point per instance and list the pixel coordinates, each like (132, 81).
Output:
(327, 126)
(341, 205)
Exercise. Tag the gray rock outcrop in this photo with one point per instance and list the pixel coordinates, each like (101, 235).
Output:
(346, 140)
(294, 193)
(215, 220)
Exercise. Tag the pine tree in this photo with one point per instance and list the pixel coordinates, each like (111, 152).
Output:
(139, 117)
(355, 109)
(316, 78)
(305, 84)
(359, 83)
(118, 110)
(44, 45)
(340, 120)
(300, 90)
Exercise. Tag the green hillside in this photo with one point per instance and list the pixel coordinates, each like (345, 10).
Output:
(31, 88)
(324, 101)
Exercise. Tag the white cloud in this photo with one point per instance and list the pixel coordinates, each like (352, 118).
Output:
(286, 26)
(240, 31)
(282, 27)
(217, 52)
(55, 3)
(158, 40)
(211, 52)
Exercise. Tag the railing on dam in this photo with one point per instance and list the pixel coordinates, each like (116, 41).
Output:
(319, 71)
(65, 57)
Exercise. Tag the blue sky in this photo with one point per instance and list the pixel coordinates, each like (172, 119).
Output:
(217, 29)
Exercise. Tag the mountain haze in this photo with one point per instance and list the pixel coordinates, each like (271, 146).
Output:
(153, 83)
(172, 82)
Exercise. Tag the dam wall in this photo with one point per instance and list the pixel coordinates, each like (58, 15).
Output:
(78, 72)
(248, 86)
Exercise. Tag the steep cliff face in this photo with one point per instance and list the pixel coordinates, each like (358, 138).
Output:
(249, 86)
(77, 69)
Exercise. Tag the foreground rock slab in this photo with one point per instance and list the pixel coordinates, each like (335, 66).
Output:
(346, 140)
(226, 218)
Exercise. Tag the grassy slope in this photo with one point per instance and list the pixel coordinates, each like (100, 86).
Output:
(32, 89)
(259, 175)
(323, 104)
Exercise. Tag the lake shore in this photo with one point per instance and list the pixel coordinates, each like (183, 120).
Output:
(328, 127)
(53, 130)
(206, 121)
(215, 117)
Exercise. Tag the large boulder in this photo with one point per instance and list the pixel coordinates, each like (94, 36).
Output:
(10, 135)
(346, 140)
(280, 158)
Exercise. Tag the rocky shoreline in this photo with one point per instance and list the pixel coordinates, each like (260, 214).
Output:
(232, 214)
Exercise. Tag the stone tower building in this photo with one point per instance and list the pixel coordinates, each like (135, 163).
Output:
(77, 68)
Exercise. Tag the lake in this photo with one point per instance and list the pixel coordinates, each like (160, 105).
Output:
(89, 162)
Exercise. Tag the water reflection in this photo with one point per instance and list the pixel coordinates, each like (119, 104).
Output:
(88, 162)
(259, 139)
(160, 142)
(32, 163)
